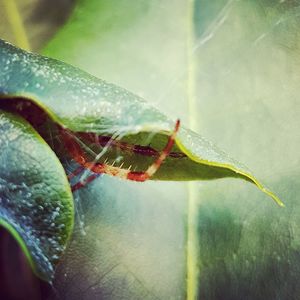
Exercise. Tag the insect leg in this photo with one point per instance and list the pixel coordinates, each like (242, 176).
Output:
(76, 172)
(99, 168)
(82, 184)
(152, 169)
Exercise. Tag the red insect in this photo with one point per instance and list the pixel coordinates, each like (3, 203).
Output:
(76, 152)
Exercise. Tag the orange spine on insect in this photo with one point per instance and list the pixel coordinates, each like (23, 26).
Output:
(76, 152)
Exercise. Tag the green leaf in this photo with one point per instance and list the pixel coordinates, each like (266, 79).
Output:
(143, 47)
(124, 47)
(105, 109)
(250, 68)
(35, 197)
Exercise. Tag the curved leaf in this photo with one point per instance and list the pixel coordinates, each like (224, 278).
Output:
(243, 246)
(36, 204)
(105, 109)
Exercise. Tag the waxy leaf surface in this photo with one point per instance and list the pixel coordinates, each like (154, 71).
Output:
(82, 103)
(36, 203)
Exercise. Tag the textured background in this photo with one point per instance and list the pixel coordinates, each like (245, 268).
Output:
(245, 72)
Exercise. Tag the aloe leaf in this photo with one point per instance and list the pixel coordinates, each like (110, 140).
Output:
(35, 197)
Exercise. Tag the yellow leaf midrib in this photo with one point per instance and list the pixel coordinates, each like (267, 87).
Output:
(192, 272)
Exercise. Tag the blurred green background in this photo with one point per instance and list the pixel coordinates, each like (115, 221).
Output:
(230, 69)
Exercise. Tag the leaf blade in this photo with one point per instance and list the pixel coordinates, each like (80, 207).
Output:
(36, 201)
(100, 107)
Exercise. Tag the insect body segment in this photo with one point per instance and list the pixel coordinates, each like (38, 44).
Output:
(75, 150)
(125, 147)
